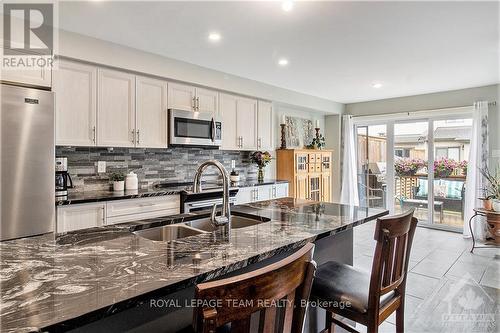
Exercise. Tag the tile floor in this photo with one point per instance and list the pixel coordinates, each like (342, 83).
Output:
(438, 258)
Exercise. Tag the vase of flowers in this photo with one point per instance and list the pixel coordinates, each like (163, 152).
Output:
(444, 167)
(261, 159)
(406, 167)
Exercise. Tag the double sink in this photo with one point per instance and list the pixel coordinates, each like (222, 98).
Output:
(196, 227)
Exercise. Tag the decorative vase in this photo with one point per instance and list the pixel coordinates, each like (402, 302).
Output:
(260, 175)
(495, 204)
(119, 186)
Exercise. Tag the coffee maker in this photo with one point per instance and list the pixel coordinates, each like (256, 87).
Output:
(63, 179)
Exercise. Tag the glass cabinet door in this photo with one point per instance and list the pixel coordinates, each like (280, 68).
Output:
(315, 188)
(301, 163)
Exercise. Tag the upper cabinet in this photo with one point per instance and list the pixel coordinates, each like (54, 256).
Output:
(189, 98)
(207, 100)
(246, 124)
(265, 125)
(151, 113)
(116, 109)
(181, 96)
(239, 116)
(75, 87)
(40, 77)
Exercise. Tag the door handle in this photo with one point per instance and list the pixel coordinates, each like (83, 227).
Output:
(213, 130)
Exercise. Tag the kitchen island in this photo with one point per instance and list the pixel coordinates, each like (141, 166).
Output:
(106, 278)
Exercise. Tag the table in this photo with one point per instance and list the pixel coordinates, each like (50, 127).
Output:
(485, 213)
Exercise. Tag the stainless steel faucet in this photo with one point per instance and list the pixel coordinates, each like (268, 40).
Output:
(225, 217)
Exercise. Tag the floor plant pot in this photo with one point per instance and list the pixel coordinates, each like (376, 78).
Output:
(493, 221)
(119, 186)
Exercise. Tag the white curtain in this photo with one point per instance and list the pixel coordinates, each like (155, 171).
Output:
(478, 159)
(349, 192)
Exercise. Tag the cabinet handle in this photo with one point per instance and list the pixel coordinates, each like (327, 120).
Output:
(93, 134)
(194, 103)
(241, 142)
(259, 142)
(133, 136)
(197, 104)
(137, 136)
(274, 191)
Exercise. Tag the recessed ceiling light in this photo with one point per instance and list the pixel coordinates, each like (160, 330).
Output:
(377, 85)
(283, 62)
(214, 36)
(287, 6)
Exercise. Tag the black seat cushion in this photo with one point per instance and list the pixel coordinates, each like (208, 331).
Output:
(336, 282)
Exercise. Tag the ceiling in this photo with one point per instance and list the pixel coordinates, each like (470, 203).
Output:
(336, 50)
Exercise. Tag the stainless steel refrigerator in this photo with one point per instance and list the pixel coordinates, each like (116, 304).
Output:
(27, 162)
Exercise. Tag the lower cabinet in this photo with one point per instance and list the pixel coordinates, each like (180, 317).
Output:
(261, 193)
(82, 216)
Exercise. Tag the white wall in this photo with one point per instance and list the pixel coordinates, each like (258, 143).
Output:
(440, 100)
(98, 51)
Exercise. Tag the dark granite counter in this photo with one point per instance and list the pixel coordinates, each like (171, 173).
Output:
(161, 190)
(57, 284)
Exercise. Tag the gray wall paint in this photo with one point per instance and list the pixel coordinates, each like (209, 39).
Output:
(98, 51)
(441, 100)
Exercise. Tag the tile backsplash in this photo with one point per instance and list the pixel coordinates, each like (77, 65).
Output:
(150, 165)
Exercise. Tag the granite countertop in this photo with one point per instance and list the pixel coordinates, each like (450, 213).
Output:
(84, 275)
(164, 189)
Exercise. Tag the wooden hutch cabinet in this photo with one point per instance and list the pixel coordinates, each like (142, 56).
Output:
(309, 172)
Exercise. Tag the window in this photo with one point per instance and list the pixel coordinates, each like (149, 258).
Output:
(448, 152)
(402, 152)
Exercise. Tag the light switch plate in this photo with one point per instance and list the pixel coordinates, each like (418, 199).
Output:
(101, 166)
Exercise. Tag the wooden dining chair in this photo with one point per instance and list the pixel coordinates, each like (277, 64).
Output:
(230, 303)
(353, 294)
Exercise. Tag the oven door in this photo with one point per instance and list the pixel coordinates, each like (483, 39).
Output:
(188, 128)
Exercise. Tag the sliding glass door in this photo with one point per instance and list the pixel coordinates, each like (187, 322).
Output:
(417, 163)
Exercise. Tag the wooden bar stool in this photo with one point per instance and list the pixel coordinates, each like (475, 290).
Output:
(287, 281)
(372, 298)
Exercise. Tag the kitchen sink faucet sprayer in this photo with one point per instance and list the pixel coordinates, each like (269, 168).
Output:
(225, 217)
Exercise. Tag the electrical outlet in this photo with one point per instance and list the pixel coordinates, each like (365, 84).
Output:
(101, 166)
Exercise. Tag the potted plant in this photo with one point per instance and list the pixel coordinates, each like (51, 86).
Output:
(118, 179)
(406, 167)
(491, 188)
(261, 159)
(444, 167)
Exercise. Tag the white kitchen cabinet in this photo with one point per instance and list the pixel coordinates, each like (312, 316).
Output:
(239, 116)
(261, 193)
(40, 77)
(279, 190)
(151, 113)
(116, 109)
(127, 210)
(190, 98)
(75, 87)
(207, 101)
(264, 125)
(246, 124)
(80, 216)
(181, 96)
(228, 107)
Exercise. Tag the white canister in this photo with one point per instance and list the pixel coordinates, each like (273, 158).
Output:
(131, 181)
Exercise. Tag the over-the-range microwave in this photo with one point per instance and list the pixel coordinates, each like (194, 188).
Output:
(198, 129)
